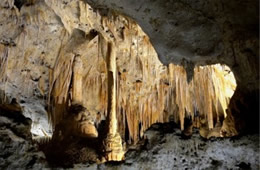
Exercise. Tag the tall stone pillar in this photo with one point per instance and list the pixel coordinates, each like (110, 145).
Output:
(77, 80)
(113, 143)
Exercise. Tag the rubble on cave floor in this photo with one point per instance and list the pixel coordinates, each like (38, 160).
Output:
(165, 148)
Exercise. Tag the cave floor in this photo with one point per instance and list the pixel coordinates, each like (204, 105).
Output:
(164, 148)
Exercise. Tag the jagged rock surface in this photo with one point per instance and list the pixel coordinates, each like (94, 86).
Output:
(166, 149)
(18, 151)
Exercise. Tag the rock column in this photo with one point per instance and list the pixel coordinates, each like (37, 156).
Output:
(77, 80)
(113, 143)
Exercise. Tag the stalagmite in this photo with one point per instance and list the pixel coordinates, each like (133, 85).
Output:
(113, 143)
(77, 80)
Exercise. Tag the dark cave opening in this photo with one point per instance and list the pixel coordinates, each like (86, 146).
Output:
(19, 3)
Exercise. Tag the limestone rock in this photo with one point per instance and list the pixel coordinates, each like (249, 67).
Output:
(78, 123)
(113, 148)
(17, 148)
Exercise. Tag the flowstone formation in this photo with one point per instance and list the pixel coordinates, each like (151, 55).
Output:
(89, 75)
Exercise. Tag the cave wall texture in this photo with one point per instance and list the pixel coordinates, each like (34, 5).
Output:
(53, 53)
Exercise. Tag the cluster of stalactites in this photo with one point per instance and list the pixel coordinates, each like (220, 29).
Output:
(160, 95)
(205, 97)
(75, 79)
(147, 92)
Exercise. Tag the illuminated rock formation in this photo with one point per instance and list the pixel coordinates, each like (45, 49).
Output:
(55, 53)
(77, 81)
(77, 123)
(146, 91)
(113, 143)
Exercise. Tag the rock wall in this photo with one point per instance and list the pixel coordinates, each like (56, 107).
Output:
(42, 41)
(18, 151)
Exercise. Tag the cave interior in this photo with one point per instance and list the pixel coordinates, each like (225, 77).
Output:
(99, 83)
